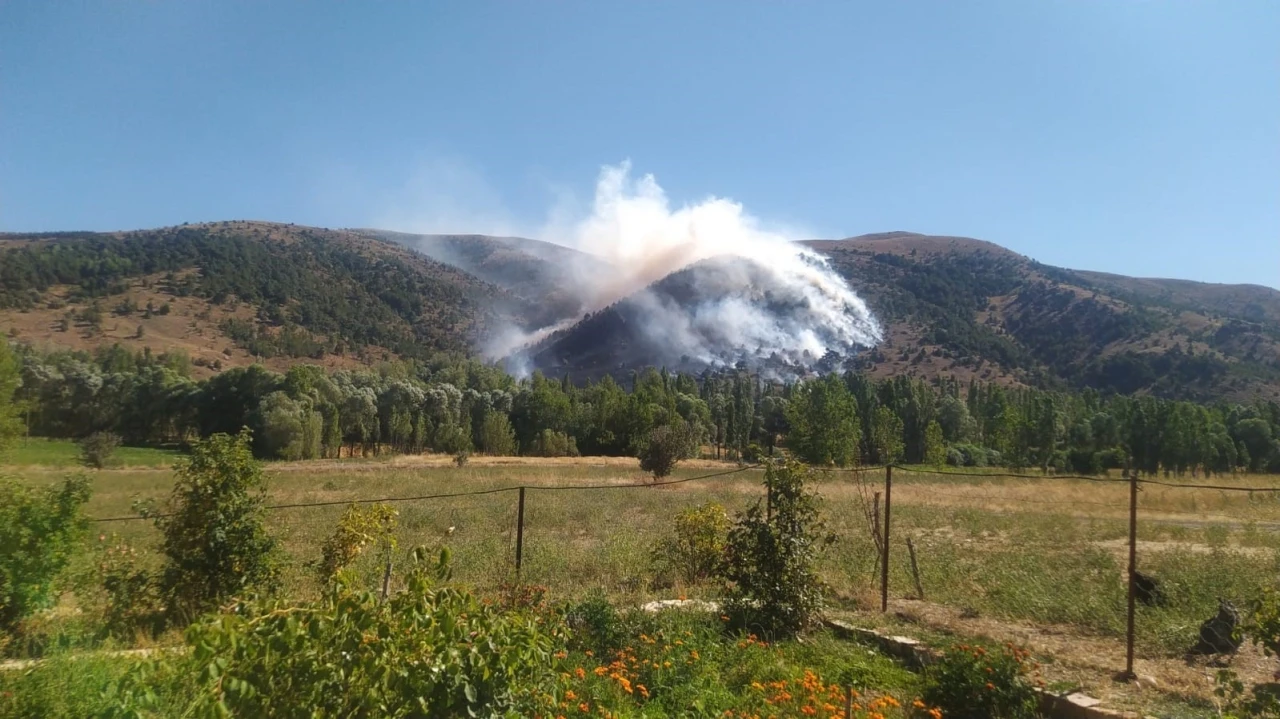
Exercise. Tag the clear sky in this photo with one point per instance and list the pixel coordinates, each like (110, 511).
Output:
(1133, 137)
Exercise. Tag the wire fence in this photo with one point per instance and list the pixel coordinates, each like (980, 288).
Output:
(1140, 562)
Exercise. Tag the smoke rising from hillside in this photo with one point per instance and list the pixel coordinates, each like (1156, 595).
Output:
(784, 300)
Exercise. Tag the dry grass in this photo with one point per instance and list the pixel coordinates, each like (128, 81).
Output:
(1041, 560)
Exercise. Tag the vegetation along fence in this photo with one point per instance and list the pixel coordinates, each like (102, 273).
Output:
(1120, 567)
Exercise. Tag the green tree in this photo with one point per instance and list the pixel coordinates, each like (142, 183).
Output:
(769, 563)
(498, 438)
(214, 541)
(11, 425)
(39, 531)
(935, 448)
(823, 419)
(667, 445)
(886, 436)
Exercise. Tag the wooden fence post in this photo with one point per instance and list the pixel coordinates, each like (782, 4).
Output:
(520, 534)
(1133, 568)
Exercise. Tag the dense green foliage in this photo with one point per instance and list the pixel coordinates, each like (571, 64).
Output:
(455, 406)
(320, 291)
(770, 556)
(39, 533)
(11, 424)
(973, 682)
(215, 542)
(97, 450)
(695, 550)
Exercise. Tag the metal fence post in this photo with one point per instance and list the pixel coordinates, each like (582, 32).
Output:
(884, 560)
(520, 533)
(1133, 568)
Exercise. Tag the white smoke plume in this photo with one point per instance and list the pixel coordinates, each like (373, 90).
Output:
(785, 300)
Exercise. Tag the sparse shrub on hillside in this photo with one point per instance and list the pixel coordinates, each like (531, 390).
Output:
(39, 532)
(97, 449)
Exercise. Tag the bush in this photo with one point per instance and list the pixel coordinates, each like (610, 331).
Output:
(972, 682)
(597, 627)
(97, 449)
(214, 542)
(697, 546)
(358, 528)
(1260, 702)
(665, 446)
(431, 650)
(39, 532)
(130, 596)
(769, 561)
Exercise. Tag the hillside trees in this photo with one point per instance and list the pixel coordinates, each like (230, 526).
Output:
(822, 415)
(453, 405)
(11, 425)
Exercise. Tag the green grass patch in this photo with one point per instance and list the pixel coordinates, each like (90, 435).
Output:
(65, 453)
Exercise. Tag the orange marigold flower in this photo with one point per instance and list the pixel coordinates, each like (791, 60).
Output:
(569, 695)
(643, 691)
(584, 707)
(580, 673)
(990, 686)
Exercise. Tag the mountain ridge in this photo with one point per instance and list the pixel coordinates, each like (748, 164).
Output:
(950, 306)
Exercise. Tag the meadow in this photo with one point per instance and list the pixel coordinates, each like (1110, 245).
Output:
(1041, 560)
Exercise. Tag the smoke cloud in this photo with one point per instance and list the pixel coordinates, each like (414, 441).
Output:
(742, 292)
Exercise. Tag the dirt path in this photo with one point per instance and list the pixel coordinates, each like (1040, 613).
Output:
(1089, 662)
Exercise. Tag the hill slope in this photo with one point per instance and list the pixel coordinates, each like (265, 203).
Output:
(229, 291)
(962, 306)
(539, 272)
(966, 308)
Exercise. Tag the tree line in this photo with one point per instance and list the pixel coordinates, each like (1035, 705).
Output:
(458, 405)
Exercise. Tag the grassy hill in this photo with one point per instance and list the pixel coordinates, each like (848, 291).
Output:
(230, 292)
(540, 272)
(964, 307)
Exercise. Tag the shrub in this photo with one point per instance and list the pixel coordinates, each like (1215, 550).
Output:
(39, 532)
(431, 650)
(972, 682)
(358, 528)
(665, 446)
(214, 541)
(769, 561)
(1261, 702)
(460, 459)
(697, 545)
(597, 627)
(130, 600)
(97, 449)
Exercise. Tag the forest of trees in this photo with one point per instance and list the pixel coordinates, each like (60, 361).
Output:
(456, 405)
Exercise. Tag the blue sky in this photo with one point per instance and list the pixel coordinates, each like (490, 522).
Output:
(1133, 137)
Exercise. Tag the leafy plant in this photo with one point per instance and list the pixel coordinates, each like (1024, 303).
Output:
(774, 588)
(97, 449)
(1237, 703)
(665, 446)
(131, 599)
(431, 650)
(39, 532)
(215, 544)
(358, 528)
(697, 545)
(973, 682)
